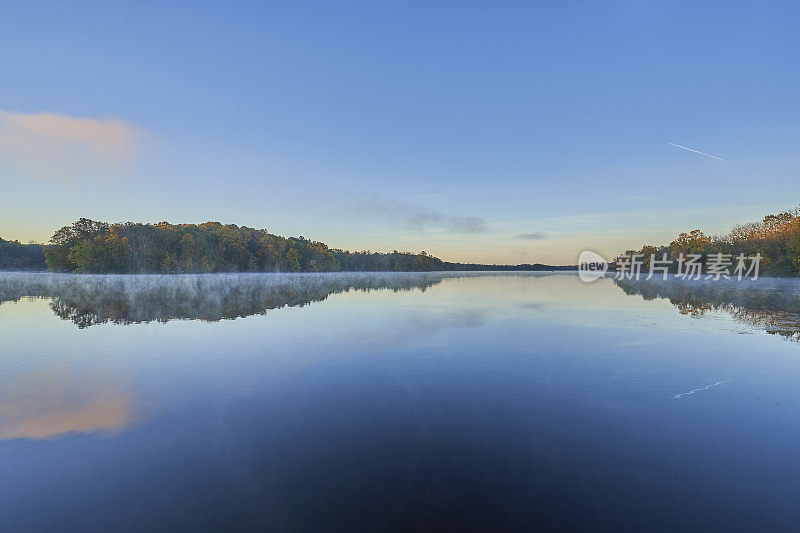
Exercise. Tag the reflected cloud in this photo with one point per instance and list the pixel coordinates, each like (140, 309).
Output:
(425, 324)
(463, 318)
(49, 403)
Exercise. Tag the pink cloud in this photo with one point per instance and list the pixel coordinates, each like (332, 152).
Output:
(62, 148)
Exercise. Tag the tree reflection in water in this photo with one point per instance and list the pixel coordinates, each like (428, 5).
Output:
(125, 299)
(772, 304)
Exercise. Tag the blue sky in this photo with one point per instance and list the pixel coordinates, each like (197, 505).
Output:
(494, 132)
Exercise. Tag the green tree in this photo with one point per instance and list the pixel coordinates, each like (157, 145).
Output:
(292, 260)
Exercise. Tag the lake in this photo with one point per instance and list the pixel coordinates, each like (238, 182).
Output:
(397, 401)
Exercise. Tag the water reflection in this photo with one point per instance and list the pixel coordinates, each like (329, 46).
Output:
(496, 401)
(96, 299)
(51, 402)
(769, 303)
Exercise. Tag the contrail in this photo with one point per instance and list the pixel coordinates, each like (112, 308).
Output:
(698, 152)
(718, 383)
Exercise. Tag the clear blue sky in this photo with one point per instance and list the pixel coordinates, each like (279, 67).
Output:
(477, 131)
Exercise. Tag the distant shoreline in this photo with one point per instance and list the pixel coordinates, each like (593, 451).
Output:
(510, 268)
(89, 246)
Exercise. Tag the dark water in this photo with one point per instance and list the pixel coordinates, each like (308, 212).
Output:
(359, 402)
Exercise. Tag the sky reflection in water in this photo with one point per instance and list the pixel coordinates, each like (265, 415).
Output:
(396, 401)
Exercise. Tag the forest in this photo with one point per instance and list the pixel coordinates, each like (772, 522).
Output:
(89, 246)
(17, 256)
(776, 238)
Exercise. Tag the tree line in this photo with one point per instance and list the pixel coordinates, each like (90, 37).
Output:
(89, 246)
(776, 238)
(99, 247)
(17, 256)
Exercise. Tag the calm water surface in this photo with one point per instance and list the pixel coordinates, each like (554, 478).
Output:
(358, 402)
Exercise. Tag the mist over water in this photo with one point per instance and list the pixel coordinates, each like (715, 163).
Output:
(375, 401)
(124, 299)
(769, 303)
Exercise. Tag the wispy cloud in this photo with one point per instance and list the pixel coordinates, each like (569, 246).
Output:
(422, 218)
(535, 236)
(697, 152)
(63, 148)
